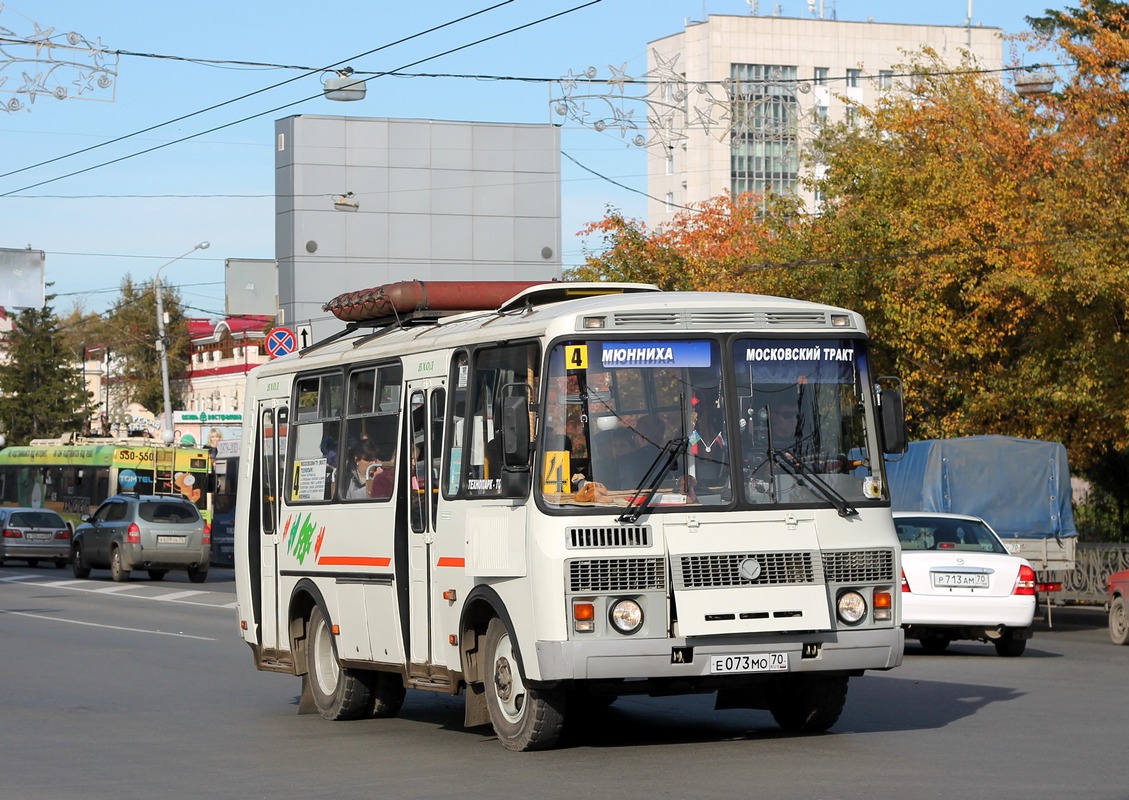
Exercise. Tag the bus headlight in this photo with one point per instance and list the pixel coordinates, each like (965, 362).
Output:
(626, 616)
(851, 607)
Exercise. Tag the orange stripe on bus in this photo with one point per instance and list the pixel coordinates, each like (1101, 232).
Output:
(450, 562)
(354, 561)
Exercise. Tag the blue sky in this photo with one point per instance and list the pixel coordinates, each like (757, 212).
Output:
(138, 213)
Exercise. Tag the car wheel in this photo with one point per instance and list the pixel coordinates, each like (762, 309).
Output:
(118, 572)
(338, 693)
(157, 574)
(197, 574)
(807, 703)
(78, 563)
(1009, 647)
(1118, 621)
(524, 718)
(934, 645)
(33, 562)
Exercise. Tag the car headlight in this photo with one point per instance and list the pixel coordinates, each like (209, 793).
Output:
(626, 616)
(851, 607)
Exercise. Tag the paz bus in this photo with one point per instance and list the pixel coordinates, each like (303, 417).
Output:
(547, 496)
(73, 475)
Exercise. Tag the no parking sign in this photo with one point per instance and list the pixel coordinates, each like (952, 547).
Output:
(281, 341)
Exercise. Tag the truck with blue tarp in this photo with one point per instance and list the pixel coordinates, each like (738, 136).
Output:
(1021, 487)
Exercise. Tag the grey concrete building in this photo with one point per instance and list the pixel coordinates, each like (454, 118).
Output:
(362, 201)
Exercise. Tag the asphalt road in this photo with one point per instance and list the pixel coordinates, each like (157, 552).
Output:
(144, 690)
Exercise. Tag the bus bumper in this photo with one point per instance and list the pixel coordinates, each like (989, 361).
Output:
(603, 659)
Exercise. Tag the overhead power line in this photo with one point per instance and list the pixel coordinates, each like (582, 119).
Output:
(257, 91)
(305, 99)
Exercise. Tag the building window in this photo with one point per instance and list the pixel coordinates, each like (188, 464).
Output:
(851, 116)
(764, 143)
(885, 79)
(670, 202)
(821, 74)
(853, 77)
(670, 161)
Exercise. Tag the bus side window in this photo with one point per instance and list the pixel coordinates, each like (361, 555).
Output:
(316, 449)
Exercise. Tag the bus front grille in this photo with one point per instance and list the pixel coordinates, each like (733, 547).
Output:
(616, 574)
(713, 570)
(859, 566)
(609, 536)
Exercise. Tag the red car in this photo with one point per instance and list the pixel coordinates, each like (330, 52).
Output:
(1118, 606)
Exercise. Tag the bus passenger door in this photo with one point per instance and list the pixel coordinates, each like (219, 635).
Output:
(273, 418)
(425, 415)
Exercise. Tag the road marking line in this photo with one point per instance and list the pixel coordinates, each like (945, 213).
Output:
(111, 627)
(178, 595)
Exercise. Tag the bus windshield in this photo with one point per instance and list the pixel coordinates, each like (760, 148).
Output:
(770, 422)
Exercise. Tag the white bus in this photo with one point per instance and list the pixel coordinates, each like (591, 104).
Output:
(576, 492)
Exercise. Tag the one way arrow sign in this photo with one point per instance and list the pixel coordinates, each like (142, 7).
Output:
(305, 334)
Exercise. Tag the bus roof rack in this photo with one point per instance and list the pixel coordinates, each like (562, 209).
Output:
(392, 303)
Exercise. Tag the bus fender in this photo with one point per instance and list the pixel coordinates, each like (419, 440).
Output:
(302, 601)
(482, 605)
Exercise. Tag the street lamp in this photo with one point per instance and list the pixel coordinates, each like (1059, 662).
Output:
(162, 341)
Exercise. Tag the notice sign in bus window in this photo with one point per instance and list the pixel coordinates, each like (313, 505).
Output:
(556, 475)
(309, 480)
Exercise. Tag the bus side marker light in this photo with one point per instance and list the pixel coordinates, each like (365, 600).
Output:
(449, 595)
(883, 607)
(583, 617)
(454, 640)
(335, 630)
(243, 624)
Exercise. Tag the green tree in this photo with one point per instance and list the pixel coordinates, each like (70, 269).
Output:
(130, 331)
(41, 390)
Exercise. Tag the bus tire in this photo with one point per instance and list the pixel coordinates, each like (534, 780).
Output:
(78, 564)
(524, 718)
(338, 693)
(807, 703)
(118, 572)
(388, 694)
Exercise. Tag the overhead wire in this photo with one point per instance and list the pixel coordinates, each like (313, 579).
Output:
(303, 100)
(183, 117)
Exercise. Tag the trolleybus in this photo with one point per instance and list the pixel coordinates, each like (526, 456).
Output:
(547, 496)
(73, 475)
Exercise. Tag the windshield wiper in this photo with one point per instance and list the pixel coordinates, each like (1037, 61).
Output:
(798, 470)
(659, 469)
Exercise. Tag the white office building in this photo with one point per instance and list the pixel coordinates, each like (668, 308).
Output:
(739, 97)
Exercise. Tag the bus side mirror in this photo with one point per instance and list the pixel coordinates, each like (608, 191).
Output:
(892, 417)
(515, 432)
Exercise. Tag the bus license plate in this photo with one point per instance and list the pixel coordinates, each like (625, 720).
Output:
(170, 540)
(748, 662)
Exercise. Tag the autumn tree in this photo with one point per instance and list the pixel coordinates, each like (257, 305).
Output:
(982, 234)
(130, 332)
(41, 390)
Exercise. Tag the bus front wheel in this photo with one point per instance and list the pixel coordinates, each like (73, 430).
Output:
(524, 718)
(338, 693)
(808, 703)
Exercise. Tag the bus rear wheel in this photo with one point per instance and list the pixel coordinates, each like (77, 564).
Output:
(524, 718)
(338, 693)
(808, 703)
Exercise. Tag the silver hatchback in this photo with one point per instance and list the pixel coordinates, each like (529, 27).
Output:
(156, 533)
(34, 534)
